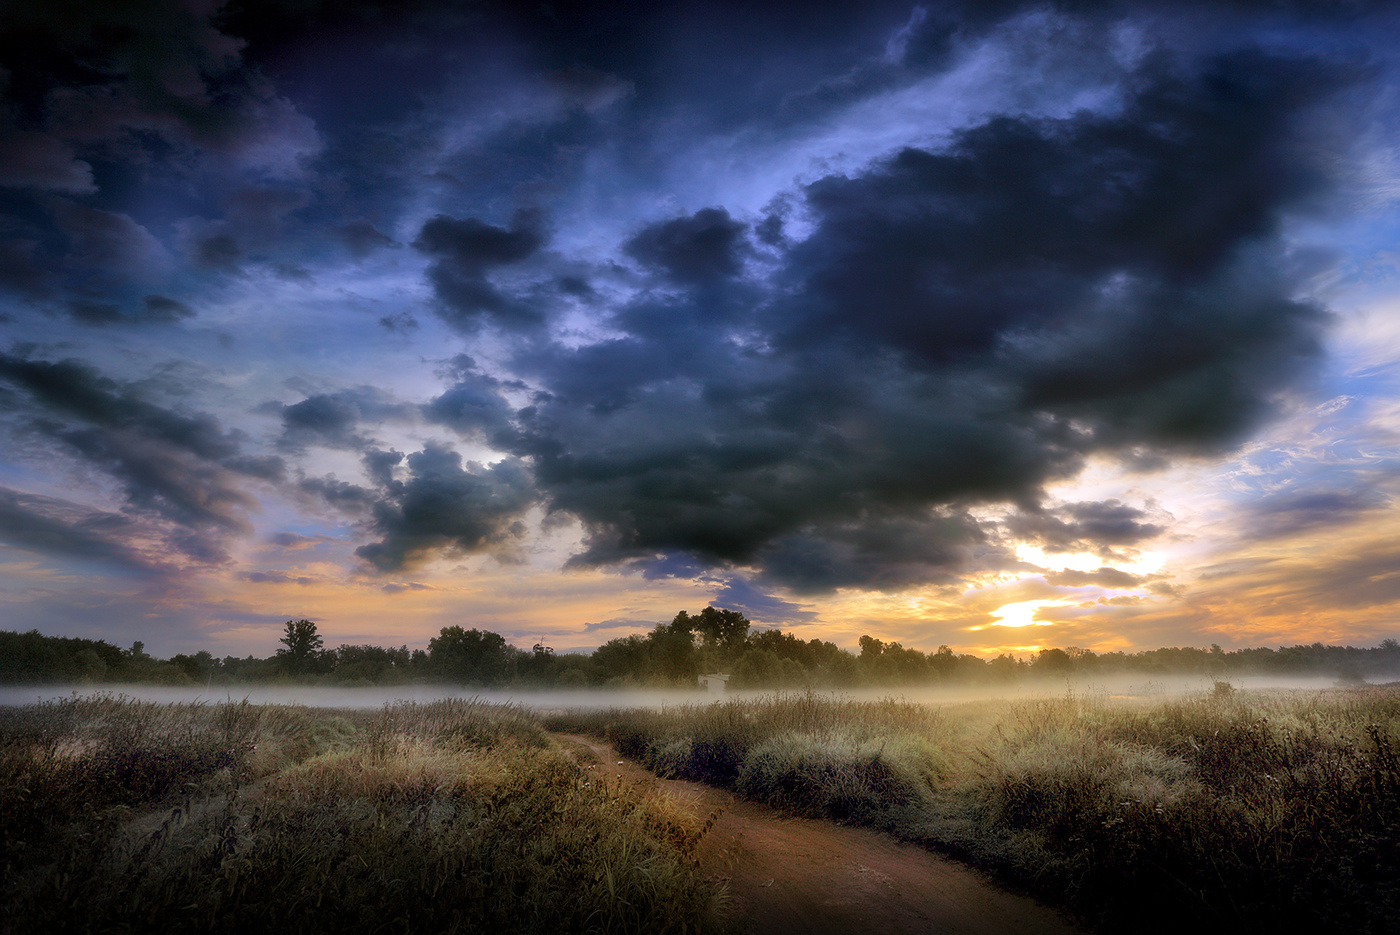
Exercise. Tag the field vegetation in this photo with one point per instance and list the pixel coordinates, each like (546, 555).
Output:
(1227, 811)
(119, 815)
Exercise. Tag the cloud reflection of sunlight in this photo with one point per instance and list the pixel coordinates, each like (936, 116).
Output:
(1022, 614)
(1144, 564)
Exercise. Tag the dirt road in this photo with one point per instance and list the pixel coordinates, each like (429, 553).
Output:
(794, 875)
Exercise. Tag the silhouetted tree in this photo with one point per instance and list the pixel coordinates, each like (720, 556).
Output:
(303, 646)
(473, 657)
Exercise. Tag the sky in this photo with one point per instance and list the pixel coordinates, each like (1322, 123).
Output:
(995, 325)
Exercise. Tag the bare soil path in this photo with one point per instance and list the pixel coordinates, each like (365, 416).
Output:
(797, 875)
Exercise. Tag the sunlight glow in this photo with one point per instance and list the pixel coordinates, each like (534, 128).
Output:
(1144, 564)
(1022, 614)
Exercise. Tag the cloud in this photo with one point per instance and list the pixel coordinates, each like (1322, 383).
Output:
(798, 330)
(464, 251)
(29, 159)
(1087, 526)
(296, 541)
(275, 577)
(153, 310)
(363, 238)
(1294, 512)
(181, 467)
(108, 241)
(117, 71)
(616, 623)
(1104, 577)
(61, 529)
(475, 407)
(334, 419)
(446, 507)
(709, 245)
(959, 326)
(738, 593)
(393, 588)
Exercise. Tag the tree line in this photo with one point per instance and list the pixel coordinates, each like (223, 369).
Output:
(673, 654)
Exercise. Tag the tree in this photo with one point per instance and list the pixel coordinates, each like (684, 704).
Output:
(303, 646)
(723, 629)
(474, 657)
(672, 658)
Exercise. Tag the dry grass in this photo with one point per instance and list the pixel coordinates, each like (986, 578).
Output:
(452, 817)
(1252, 812)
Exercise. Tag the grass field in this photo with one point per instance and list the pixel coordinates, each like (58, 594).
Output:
(119, 815)
(1224, 811)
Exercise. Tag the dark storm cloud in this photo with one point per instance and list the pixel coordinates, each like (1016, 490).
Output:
(182, 467)
(37, 161)
(106, 70)
(363, 238)
(1027, 227)
(960, 325)
(475, 407)
(213, 247)
(343, 495)
(822, 394)
(883, 552)
(152, 310)
(464, 252)
(709, 245)
(107, 241)
(334, 419)
(65, 530)
(446, 507)
(120, 122)
(164, 310)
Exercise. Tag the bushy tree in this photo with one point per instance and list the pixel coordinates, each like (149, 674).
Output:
(622, 659)
(471, 657)
(672, 656)
(302, 647)
(722, 632)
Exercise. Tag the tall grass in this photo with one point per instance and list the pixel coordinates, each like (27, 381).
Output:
(456, 816)
(1230, 810)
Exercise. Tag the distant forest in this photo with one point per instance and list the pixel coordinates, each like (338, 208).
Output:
(673, 654)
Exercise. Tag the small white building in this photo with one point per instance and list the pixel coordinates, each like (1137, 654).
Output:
(714, 683)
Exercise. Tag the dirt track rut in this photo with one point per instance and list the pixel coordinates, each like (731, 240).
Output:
(795, 875)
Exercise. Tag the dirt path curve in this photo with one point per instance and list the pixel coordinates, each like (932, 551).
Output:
(796, 875)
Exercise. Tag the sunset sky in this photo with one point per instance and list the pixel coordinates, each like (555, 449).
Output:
(995, 325)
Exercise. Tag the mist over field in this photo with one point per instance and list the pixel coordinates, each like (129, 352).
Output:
(315, 696)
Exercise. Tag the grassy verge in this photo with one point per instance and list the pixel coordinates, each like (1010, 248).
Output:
(1247, 812)
(449, 817)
